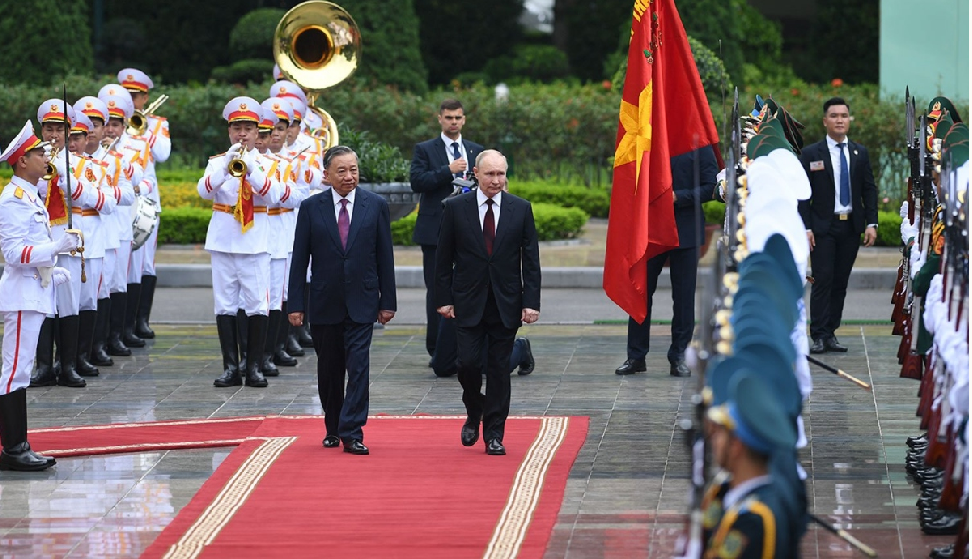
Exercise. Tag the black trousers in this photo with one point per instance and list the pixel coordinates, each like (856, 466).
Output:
(494, 407)
(832, 260)
(683, 263)
(341, 348)
(431, 316)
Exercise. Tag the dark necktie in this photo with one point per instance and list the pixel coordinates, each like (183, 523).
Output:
(456, 154)
(344, 223)
(844, 176)
(489, 227)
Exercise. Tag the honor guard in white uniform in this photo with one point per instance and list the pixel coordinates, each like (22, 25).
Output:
(296, 141)
(26, 291)
(125, 287)
(159, 147)
(238, 240)
(116, 171)
(95, 234)
(55, 120)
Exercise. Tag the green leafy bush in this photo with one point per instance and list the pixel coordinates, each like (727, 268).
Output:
(594, 202)
(401, 230)
(184, 226)
(540, 63)
(252, 36)
(377, 161)
(889, 229)
(44, 39)
(249, 70)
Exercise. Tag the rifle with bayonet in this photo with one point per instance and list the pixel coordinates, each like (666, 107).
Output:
(69, 194)
(907, 351)
(900, 294)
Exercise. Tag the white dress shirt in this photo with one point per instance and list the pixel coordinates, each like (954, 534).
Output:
(835, 161)
(481, 199)
(448, 144)
(735, 494)
(337, 204)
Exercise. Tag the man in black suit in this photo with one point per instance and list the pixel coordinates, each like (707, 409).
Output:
(683, 263)
(487, 279)
(348, 233)
(435, 163)
(842, 205)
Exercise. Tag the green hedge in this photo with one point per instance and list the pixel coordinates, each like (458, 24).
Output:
(553, 223)
(593, 201)
(184, 226)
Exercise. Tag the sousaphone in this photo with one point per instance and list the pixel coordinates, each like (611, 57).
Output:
(317, 45)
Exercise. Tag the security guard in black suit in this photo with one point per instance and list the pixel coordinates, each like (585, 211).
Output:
(683, 263)
(842, 202)
(435, 163)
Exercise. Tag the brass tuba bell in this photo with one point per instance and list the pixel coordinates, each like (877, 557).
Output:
(317, 45)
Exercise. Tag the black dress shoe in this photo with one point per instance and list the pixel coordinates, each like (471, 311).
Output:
(355, 447)
(495, 448)
(631, 366)
(20, 458)
(680, 369)
(833, 345)
(283, 359)
(919, 440)
(528, 362)
(470, 432)
(945, 552)
(331, 441)
(947, 525)
(818, 347)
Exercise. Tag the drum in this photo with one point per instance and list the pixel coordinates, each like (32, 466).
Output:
(144, 221)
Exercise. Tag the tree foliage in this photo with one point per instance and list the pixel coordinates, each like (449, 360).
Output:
(459, 37)
(591, 33)
(44, 39)
(390, 36)
(252, 37)
(712, 21)
(844, 43)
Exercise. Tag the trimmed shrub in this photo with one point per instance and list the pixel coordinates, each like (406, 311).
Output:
(401, 230)
(594, 202)
(184, 226)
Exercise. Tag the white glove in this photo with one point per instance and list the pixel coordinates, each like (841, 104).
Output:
(235, 148)
(721, 176)
(254, 170)
(67, 243)
(908, 231)
(721, 181)
(61, 276)
(251, 158)
(904, 210)
(60, 165)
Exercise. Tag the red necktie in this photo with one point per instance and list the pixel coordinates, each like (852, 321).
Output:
(344, 223)
(489, 227)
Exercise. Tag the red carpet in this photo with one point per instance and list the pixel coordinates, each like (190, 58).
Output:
(420, 494)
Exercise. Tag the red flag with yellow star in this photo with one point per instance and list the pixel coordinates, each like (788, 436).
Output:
(663, 113)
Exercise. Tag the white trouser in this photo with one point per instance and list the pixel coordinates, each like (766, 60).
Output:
(68, 294)
(148, 250)
(286, 285)
(278, 282)
(135, 266)
(91, 288)
(20, 332)
(107, 271)
(119, 276)
(241, 281)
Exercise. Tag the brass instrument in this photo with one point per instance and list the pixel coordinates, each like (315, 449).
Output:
(317, 45)
(236, 167)
(138, 122)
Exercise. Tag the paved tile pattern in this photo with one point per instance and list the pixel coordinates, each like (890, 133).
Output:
(626, 496)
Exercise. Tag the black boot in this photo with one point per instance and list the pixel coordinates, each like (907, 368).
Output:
(116, 326)
(226, 327)
(44, 368)
(99, 356)
(241, 336)
(17, 454)
(131, 311)
(292, 346)
(303, 332)
(267, 366)
(142, 329)
(281, 356)
(67, 347)
(257, 337)
(86, 334)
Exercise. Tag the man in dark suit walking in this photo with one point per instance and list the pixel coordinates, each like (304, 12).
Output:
(683, 263)
(487, 279)
(348, 233)
(842, 205)
(435, 163)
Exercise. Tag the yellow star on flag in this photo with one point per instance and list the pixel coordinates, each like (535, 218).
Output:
(636, 120)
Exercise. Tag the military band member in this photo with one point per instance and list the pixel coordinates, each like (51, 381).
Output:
(55, 120)
(238, 240)
(117, 172)
(159, 147)
(26, 291)
(95, 232)
(124, 284)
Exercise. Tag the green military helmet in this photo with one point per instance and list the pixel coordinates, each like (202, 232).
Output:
(753, 412)
(791, 127)
(956, 144)
(762, 298)
(777, 253)
(942, 105)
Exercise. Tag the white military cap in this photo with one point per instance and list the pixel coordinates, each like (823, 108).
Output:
(24, 141)
(119, 106)
(277, 74)
(92, 107)
(242, 109)
(53, 110)
(81, 123)
(287, 89)
(277, 108)
(133, 79)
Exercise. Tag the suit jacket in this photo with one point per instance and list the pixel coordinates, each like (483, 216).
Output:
(431, 178)
(818, 211)
(355, 283)
(465, 272)
(689, 218)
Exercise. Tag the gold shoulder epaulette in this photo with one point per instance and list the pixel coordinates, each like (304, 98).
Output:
(19, 193)
(218, 155)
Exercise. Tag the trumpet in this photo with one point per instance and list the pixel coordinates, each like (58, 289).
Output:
(236, 166)
(138, 122)
(51, 169)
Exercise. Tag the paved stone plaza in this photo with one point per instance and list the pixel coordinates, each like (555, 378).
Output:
(626, 496)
